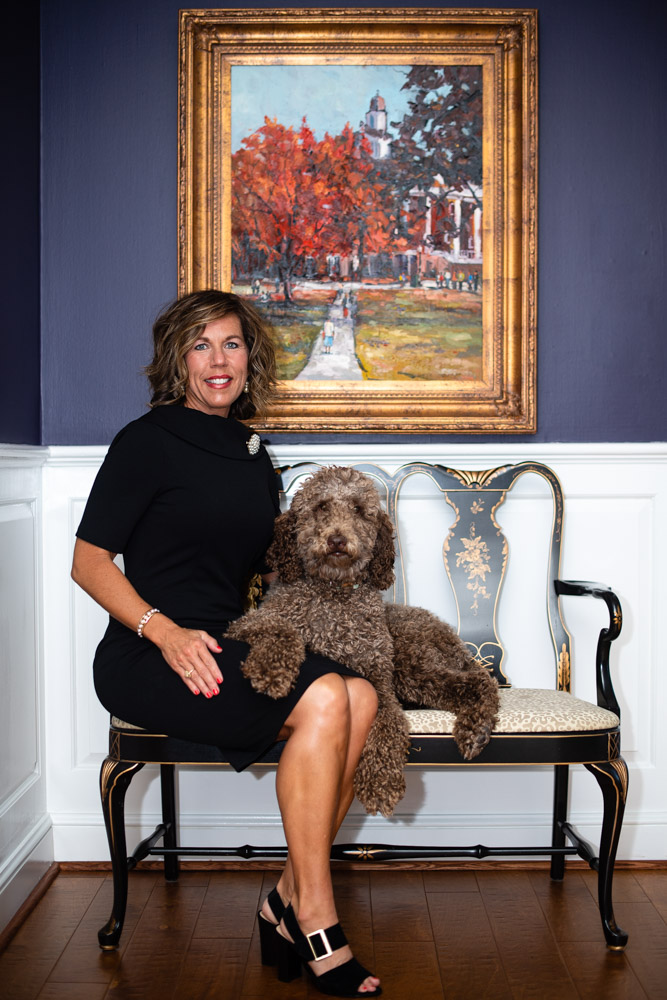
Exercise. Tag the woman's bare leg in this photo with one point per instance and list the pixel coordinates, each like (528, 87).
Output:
(363, 709)
(314, 786)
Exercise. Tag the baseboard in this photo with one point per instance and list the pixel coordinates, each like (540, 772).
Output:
(28, 905)
(659, 864)
(24, 869)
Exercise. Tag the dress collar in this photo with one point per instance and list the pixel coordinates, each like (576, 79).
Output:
(220, 435)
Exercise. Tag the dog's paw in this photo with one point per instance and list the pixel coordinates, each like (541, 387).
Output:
(382, 799)
(269, 675)
(471, 742)
(391, 798)
(379, 780)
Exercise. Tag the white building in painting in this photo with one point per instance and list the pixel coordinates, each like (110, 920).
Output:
(454, 224)
(452, 220)
(374, 127)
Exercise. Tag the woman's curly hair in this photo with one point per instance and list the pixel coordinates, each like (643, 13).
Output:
(182, 323)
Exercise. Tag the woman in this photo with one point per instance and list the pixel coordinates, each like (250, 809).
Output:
(188, 495)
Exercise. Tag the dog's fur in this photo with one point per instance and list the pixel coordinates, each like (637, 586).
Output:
(334, 553)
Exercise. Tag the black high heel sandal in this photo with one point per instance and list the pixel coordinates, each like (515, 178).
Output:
(342, 981)
(268, 931)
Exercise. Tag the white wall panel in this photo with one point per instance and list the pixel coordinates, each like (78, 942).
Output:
(25, 844)
(88, 623)
(19, 718)
(615, 517)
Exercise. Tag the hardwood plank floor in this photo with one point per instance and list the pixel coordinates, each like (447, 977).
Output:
(441, 934)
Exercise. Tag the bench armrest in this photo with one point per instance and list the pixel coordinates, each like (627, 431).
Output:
(582, 588)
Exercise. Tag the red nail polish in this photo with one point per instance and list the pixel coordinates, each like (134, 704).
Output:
(208, 694)
(219, 649)
(196, 690)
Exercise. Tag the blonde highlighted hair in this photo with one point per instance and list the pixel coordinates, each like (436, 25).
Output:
(182, 323)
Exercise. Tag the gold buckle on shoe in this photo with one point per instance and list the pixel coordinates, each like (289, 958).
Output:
(328, 950)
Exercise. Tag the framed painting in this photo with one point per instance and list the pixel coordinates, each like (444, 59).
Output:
(368, 178)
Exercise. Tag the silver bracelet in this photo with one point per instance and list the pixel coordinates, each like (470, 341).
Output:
(145, 619)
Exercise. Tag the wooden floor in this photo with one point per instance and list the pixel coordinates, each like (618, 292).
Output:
(428, 934)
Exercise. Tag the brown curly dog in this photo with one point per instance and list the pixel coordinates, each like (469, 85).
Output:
(334, 553)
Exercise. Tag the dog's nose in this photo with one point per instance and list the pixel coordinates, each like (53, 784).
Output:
(337, 543)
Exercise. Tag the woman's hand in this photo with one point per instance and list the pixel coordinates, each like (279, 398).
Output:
(188, 653)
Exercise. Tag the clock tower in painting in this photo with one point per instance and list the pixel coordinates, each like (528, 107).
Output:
(375, 128)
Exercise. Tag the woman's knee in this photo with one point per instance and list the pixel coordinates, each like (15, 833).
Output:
(325, 703)
(363, 699)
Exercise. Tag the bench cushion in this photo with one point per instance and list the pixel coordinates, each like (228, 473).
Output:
(526, 710)
(522, 710)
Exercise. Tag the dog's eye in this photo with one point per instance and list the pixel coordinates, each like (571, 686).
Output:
(322, 505)
(357, 508)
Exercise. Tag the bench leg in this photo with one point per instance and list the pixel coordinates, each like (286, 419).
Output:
(612, 778)
(561, 780)
(167, 786)
(115, 776)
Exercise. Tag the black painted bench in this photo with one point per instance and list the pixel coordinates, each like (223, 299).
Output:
(536, 727)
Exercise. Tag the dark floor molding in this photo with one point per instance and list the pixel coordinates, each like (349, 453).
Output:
(273, 866)
(28, 905)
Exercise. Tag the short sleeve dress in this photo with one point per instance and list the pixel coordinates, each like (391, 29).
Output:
(191, 509)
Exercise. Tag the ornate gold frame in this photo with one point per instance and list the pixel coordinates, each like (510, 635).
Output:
(505, 43)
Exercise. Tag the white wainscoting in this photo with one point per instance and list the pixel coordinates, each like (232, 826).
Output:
(26, 847)
(616, 517)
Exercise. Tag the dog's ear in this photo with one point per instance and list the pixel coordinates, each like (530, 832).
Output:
(282, 555)
(381, 566)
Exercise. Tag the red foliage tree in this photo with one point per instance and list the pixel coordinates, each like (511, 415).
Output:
(296, 197)
(359, 220)
(276, 196)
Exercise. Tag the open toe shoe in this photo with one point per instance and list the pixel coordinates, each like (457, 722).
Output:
(341, 981)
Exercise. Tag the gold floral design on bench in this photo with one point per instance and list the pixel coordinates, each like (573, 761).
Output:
(474, 556)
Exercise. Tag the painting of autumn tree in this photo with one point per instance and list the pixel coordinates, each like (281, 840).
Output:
(363, 245)
(296, 198)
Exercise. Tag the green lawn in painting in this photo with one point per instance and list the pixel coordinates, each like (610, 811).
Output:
(295, 324)
(419, 333)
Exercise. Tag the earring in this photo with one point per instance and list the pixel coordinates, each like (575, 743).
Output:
(246, 387)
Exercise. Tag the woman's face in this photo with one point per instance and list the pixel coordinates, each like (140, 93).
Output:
(217, 367)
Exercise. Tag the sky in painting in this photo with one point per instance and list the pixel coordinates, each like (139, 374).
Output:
(328, 96)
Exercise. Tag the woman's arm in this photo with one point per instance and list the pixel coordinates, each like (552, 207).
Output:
(184, 649)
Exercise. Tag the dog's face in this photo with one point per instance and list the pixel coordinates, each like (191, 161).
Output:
(338, 530)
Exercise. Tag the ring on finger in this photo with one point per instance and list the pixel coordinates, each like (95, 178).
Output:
(189, 673)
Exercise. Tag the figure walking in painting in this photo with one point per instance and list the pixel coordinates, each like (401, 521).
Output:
(328, 334)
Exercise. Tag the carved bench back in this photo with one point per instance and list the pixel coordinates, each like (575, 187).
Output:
(475, 551)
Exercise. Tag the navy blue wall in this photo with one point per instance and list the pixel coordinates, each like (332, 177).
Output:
(19, 182)
(110, 201)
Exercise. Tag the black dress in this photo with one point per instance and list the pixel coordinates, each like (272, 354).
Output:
(192, 511)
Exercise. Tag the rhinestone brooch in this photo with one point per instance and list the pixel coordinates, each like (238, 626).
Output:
(252, 444)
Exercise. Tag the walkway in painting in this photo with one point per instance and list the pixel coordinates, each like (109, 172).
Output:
(341, 363)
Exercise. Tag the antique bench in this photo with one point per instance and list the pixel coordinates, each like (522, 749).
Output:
(536, 726)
